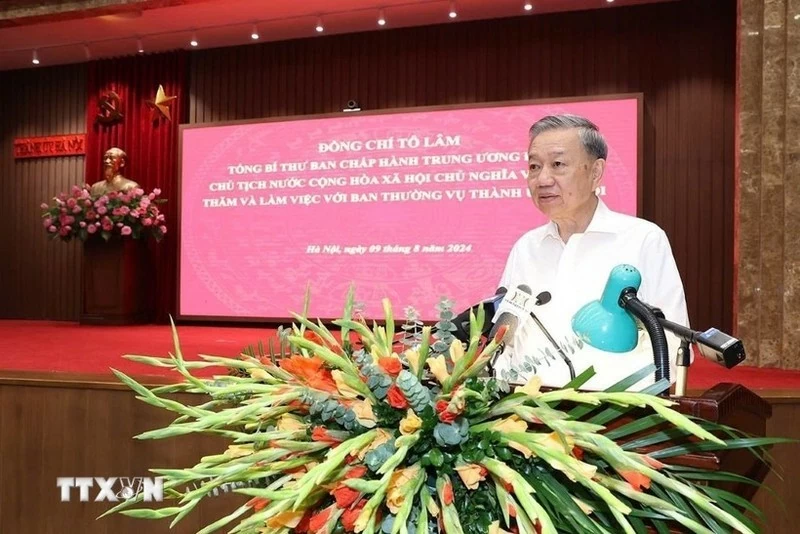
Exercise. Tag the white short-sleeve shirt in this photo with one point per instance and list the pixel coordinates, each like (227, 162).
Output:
(575, 273)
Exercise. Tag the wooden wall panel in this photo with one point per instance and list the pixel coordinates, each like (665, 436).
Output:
(87, 430)
(679, 54)
(40, 277)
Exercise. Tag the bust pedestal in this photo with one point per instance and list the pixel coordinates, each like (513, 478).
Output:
(116, 281)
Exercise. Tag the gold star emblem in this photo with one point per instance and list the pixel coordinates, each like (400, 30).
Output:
(160, 104)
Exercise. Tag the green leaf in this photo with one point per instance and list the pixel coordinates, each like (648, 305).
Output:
(744, 443)
(654, 438)
(146, 513)
(720, 495)
(635, 426)
(580, 411)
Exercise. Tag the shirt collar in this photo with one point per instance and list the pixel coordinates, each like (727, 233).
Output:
(602, 222)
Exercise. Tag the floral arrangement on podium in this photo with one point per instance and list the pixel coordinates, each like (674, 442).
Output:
(355, 433)
(79, 214)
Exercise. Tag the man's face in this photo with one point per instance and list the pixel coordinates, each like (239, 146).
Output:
(112, 163)
(562, 176)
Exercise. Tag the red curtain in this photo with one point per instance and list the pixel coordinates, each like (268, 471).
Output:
(151, 145)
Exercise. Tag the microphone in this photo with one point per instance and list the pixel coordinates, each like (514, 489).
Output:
(512, 308)
(520, 304)
(543, 298)
(712, 344)
(490, 305)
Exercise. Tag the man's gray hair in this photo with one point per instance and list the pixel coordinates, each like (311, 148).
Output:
(592, 139)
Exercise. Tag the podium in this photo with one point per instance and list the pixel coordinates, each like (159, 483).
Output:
(116, 281)
(735, 406)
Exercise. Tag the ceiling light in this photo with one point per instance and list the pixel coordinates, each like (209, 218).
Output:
(381, 18)
(453, 14)
(320, 28)
(139, 46)
(528, 6)
(610, 1)
(797, 17)
(194, 42)
(254, 33)
(35, 59)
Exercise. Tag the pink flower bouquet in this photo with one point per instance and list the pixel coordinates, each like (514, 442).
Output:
(81, 215)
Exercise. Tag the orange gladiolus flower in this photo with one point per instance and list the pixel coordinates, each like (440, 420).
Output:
(319, 519)
(350, 515)
(501, 333)
(652, 462)
(257, 503)
(635, 479)
(396, 398)
(391, 365)
(345, 496)
(356, 472)
(310, 371)
(447, 494)
(321, 434)
(445, 415)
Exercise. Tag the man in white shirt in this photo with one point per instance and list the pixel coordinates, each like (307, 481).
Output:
(571, 257)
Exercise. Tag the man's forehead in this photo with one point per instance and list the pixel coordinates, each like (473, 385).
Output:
(555, 142)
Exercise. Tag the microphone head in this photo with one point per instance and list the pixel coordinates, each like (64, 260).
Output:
(515, 306)
(505, 319)
(490, 305)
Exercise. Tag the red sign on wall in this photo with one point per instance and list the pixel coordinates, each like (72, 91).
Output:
(54, 145)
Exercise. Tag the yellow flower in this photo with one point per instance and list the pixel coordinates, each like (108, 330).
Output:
(344, 390)
(259, 374)
(412, 357)
(471, 475)
(510, 424)
(554, 441)
(494, 528)
(287, 423)
(397, 491)
(433, 508)
(456, 350)
(526, 452)
(287, 519)
(364, 414)
(513, 424)
(381, 437)
(531, 388)
(410, 423)
(237, 451)
(438, 367)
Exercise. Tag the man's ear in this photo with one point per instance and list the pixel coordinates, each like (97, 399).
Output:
(598, 168)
